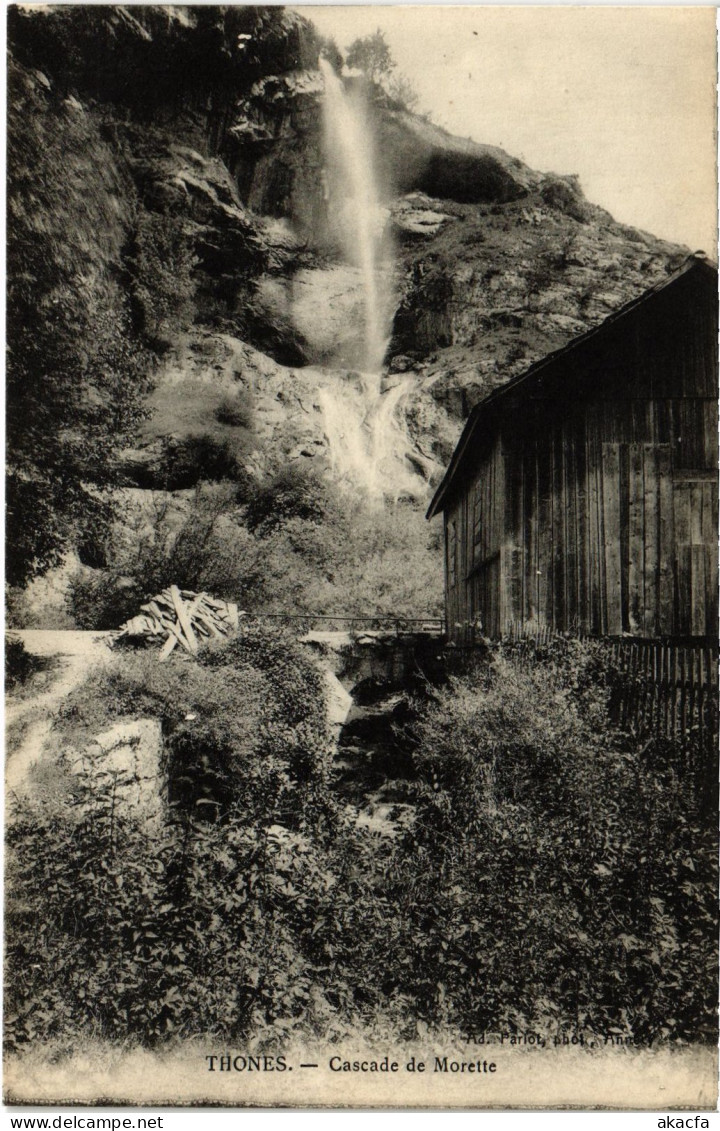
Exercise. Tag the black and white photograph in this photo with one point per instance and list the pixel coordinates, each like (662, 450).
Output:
(361, 557)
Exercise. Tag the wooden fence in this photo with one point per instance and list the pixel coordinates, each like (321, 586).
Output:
(665, 687)
(669, 688)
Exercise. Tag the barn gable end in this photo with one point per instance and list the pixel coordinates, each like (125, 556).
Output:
(583, 496)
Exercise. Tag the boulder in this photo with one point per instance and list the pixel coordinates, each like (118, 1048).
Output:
(338, 702)
(418, 155)
(129, 756)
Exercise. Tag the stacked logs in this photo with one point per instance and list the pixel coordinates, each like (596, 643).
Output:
(181, 617)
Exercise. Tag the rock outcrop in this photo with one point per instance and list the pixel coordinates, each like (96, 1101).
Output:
(417, 155)
(488, 290)
(130, 756)
(278, 158)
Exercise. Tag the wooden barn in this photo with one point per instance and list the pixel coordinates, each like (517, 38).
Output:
(582, 496)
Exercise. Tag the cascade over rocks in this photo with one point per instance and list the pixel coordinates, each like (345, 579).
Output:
(209, 121)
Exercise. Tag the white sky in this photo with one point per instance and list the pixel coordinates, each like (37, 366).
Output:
(624, 97)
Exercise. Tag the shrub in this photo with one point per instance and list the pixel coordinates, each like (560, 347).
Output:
(293, 727)
(263, 757)
(208, 549)
(198, 459)
(126, 932)
(402, 91)
(299, 546)
(565, 195)
(197, 544)
(292, 493)
(236, 409)
(100, 600)
(242, 929)
(322, 550)
(162, 262)
(20, 664)
(553, 880)
(122, 929)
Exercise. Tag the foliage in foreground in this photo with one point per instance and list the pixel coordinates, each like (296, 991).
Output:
(551, 879)
(240, 912)
(560, 880)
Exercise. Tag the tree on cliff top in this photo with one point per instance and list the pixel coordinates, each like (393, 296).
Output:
(402, 90)
(371, 54)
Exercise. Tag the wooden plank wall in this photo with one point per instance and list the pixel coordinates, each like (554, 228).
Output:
(589, 535)
(599, 514)
(475, 526)
(612, 538)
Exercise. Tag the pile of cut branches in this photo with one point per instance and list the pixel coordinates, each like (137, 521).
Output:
(181, 617)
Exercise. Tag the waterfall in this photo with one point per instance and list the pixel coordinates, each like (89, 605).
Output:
(366, 433)
(357, 217)
(367, 437)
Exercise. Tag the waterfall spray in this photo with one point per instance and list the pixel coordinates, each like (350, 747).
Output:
(355, 208)
(366, 439)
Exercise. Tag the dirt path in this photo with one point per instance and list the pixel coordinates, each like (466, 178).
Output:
(29, 720)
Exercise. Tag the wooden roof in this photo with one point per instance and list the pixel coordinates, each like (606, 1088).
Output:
(532, 377)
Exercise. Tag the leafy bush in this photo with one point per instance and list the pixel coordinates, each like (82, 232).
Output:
(566, 883)
(565, 195)
(199, 459)
(292, 493)
(352, 561)
(20, 664)
(402, 90)
(127, 932)
(319, 549)
(125, 929)
(100, 600)
(551, 879)
(294, 718)
(236, 409)
(263, 757)
(196, 544)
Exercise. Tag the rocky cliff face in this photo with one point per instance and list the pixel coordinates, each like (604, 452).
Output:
(497, 264)
(208, 122)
